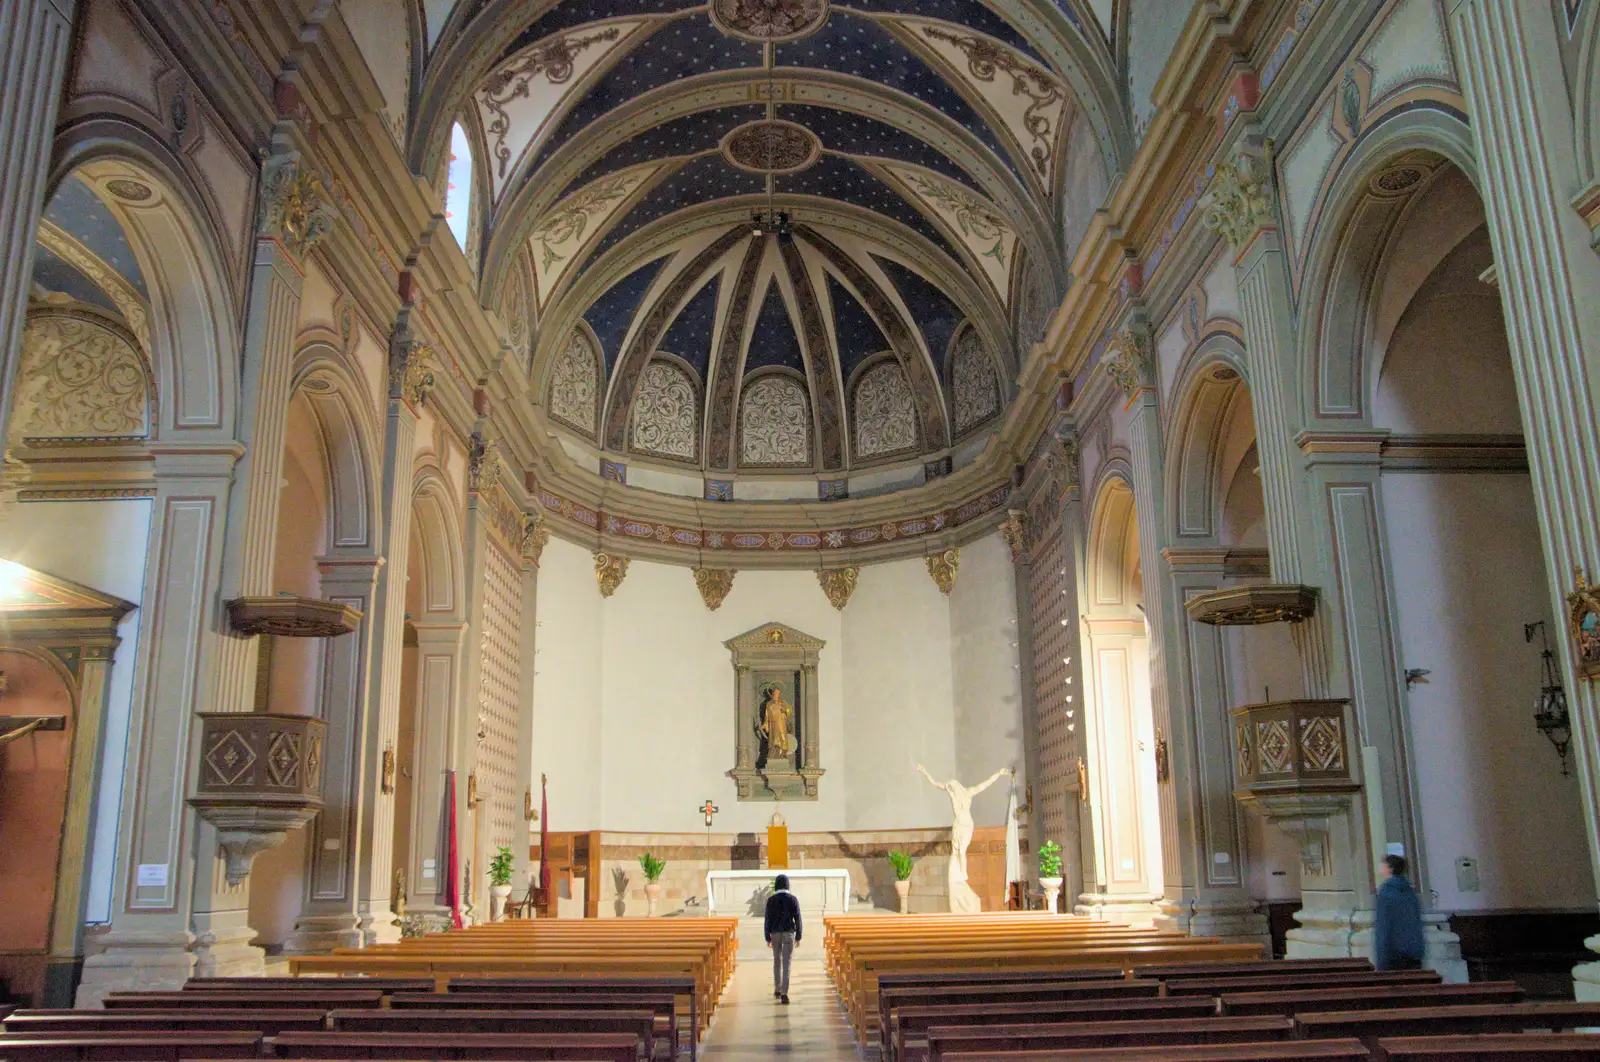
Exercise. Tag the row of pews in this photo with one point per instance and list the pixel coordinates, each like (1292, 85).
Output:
(579, 991)
(959, 1006)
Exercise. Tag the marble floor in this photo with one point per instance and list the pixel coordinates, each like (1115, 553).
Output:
(751, 1025)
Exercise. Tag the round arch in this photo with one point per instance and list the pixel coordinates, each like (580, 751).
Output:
(337, 403)
(1211, 390)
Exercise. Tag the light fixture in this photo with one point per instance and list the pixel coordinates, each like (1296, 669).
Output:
(771, 221)
(11, 576)
(1550, 713)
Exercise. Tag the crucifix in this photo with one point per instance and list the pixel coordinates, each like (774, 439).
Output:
(709, 810)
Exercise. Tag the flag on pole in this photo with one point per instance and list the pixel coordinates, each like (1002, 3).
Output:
(452, 866)
(544, 839)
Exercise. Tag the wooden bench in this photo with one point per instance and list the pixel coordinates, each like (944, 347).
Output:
(966, 983)
(897, 1001)
(1171, 971)
(308, 984)
(144, 1047)
(1382, 998)
(638, 1023)
(1518, 1047)
(945, 1042)
(235, 1000)
(484, 1047)
(1372, 1025)
(1216, 986)
(663, 1005)
(264, 1022)
(1288, 1051)
(910, 1027)
(682, 988)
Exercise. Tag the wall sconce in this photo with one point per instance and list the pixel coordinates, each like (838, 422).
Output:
(1550, 709)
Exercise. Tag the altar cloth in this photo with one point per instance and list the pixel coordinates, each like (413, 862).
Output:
(744, 893)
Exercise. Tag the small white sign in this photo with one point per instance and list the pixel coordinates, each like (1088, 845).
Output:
(331, 844)
(1221, 858)
(427, 872)
(152, 874)
(428, 864)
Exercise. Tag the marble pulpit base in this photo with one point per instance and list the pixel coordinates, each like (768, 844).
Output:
(743, 893)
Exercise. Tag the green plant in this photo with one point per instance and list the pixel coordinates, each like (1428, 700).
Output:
(1049, 860)
(653, 868)
(902, 865)
(500, 867)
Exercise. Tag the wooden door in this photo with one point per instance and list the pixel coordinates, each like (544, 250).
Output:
(986, 866)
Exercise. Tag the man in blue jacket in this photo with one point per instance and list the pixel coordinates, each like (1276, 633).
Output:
(1397, 942)
(783, 933)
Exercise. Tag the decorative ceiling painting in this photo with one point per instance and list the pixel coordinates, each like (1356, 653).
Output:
(727, 208)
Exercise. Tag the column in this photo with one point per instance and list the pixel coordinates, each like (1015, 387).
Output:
(535, 536)
(1015, 532)
(34, 39)
(329, 914)
(1079, 835)
(150, 941)
(1549, 283)
(483, 477)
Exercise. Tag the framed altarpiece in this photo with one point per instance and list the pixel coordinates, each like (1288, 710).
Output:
(777, 753)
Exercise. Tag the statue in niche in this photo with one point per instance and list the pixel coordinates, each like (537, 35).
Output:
(962, 899)
(777, 723)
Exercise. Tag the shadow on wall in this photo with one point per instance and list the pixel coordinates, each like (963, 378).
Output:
(619, 881)
(874, 860)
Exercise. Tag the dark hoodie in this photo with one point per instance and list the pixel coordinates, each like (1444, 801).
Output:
(783, 911)
(1397, 932)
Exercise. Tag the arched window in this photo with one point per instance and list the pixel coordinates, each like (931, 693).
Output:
(458, 187)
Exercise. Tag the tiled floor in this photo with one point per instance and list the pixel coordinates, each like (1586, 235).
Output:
(751, 1025)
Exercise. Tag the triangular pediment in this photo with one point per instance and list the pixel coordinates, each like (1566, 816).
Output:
(774, 634)
(39, 598)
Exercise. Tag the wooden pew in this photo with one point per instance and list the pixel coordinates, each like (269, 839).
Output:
(941, 998)
(637, 1023)
(910, 1025)
(663, 1005)
(683, 988)
(484, 1047)
(945, 1042)
(1288, 1051)
(234, 1000)
(1373, 1025)
(146, 1047)
(308, 984)
(1172, 971)
(264, 1022)
(1517, 1047)
(1385, 997)
(1216, 986)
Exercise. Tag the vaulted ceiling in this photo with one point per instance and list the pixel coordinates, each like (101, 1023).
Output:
(756, 235)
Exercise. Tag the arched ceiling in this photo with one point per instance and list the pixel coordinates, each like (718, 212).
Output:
(633, 168)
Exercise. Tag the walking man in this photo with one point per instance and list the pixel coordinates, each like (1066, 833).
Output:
(1397, 942)
(783, 933)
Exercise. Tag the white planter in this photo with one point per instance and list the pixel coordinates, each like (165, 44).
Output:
(902, 889)
(497, 901)
(652, 894)
(1052, 893)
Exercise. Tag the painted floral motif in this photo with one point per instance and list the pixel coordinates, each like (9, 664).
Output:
(977, 392)
(978, 222)
(775, 423)
(574, 382)
(987, 61)
(769, 20)
(665, 413)
(772, 147)
(553, 60)
(561, 231)
(79, 378)
(885, 412)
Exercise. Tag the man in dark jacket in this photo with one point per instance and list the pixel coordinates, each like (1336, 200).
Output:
(783, 933)
(1397, 942)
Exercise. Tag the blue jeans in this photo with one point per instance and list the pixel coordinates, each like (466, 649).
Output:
(782, 953)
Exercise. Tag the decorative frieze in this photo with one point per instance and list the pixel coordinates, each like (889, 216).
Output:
(609, 570)
(839, 584)
(714, 584)
(943, 567)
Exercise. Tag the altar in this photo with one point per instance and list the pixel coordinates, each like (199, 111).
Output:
(744, 892)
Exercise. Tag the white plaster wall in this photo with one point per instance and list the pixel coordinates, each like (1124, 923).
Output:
(101, 544)
(633, 696)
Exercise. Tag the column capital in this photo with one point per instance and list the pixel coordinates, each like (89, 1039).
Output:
(411, 377)
(359, 570)
(296, 208)
(1128, 362)
(1239, 202)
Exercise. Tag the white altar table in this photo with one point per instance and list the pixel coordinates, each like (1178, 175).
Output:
(744, 892)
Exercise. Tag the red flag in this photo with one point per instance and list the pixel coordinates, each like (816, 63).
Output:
(544, 837)
(452, 868)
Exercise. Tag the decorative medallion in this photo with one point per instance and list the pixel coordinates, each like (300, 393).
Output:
(943, 567)
(535, 537)
(1272, 740)
(1015, 533)
(714, 584)
(769, 21)
(772, 146)
(1397, 180)
(130, 191)
(839, 584)
(1583, 619)
(609, 570)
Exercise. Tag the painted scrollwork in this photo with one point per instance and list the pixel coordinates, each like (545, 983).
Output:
(977, 391)
(775, 423)
(553, 60)
(885, 412)
(575, 382)
(80, 378)
(977, 220)
(987, 61)
(666, 417)
(560, 232)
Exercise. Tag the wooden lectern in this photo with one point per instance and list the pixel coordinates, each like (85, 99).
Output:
(777, 843)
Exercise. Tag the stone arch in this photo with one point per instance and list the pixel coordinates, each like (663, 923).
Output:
(1586, 95)
(1113, 541)
(1211, 387)
(339, 406)
(1358, 219)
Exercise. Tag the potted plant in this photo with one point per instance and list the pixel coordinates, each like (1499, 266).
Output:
(902, 878)
(500, 868)
(1050, 875)
(653, 869)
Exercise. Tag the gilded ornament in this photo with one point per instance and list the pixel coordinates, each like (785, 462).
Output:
(535, 537)
(943, 568)
(388, 770)
(483, 463)
(1583, 620)
(410, 372)
(839, 584)
(552, 59)
(610, 569)
(714, 584)
(769, 21)
(986, 61)
(296, 207)
(1239, 201)
(1015, 533)
(1126, 363)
